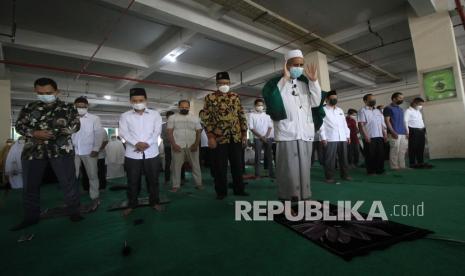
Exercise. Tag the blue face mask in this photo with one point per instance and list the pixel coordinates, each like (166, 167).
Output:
(296, 72)
(47, 98)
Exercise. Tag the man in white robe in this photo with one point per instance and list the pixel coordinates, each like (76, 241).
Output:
(115, 158)
(289, 100)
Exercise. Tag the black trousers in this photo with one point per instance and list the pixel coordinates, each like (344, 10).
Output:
(317, 149)
(134, 170)
(352, 154)
(167, 169)
(416, 145)
(211, 160)
(223, 153)
(374, 155)
(33, 172)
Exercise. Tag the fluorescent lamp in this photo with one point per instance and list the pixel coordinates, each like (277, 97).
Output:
(107, 97)
(172, 56)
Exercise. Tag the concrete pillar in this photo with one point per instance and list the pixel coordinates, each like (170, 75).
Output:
(320, 60)
(5, 110)
(435, 48)
(196, 106)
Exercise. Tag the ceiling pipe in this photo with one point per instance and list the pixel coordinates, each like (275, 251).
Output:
(105, 38)
(109, 76)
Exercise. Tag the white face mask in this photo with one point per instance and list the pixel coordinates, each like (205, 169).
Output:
(82, 111)
(224, 88)
(259, 108)
(419, 107)
(139, 106)
(46, 98)
(353, 117)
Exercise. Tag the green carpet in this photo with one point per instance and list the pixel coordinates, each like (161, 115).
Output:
(198, 235)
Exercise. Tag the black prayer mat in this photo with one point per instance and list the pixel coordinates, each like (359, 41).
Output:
(352, 238)
(142, 202)
(61, 211)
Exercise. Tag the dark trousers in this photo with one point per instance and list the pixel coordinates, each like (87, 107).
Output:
(223, 153)
(273, 154)
(33, 172)
(204, 160)
(374, 157)
(352, 154)
(416, 145)
(318, 150)
(102, 175)
(134, 170)
(211, 160)
(267, 148)
(331, 152)
(167, 168)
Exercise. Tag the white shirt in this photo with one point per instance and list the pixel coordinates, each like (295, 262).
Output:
(13, 166)
(184, 129)
(135, 128)
(203, 139)
(101, 154)
(260, 122)
(373, 120)
(334, 127)
(89, 137)
(299, 123)
(413, 118)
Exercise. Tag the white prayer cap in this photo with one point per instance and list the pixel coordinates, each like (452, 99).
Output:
(293, 54)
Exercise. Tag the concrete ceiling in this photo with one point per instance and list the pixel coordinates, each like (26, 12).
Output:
(65, 34)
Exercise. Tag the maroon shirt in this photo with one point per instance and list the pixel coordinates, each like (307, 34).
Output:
(352, 124)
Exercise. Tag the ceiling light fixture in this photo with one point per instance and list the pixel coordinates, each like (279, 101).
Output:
(107, 97)
(174, 54)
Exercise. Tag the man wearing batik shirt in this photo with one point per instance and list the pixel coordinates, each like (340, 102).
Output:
(47, 125)
(226, 127)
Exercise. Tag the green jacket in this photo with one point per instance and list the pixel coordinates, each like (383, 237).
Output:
(275, 106)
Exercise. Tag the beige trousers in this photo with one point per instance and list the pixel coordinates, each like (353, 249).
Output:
(90, 164)
(397, 152)
(178, 159)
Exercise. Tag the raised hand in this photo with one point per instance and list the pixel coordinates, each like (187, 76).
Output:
(287, 74)
(311, 72)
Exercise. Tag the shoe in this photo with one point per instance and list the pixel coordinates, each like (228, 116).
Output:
(200, 187)
(241, 194)
(23, 224)
(330, 181)
(348, 178)
(220, 197)
(427, 166)
(76, 217)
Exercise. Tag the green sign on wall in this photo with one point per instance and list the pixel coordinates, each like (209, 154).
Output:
(439, 84)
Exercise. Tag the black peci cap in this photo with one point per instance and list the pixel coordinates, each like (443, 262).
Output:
(222, 76)
(137, 92)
